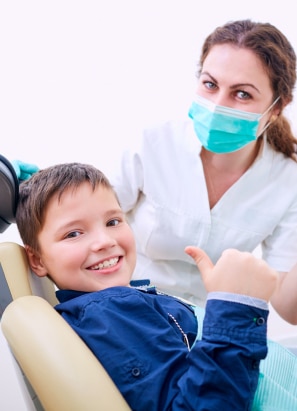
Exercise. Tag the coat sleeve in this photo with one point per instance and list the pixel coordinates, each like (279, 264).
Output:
(127, 177)
(224, 366)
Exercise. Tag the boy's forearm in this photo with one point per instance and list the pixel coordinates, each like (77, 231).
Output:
(224, 365)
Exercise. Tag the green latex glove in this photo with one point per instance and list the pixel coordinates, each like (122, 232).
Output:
(24, 170)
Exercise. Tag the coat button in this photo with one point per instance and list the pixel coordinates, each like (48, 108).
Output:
(135, 372)
(260, 321)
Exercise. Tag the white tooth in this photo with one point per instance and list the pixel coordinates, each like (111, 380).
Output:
(106, 263)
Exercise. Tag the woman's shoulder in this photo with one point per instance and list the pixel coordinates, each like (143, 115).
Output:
(170, 136)
(165, 129)
(278, 159)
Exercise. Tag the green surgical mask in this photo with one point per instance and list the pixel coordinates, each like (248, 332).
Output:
(223, 129)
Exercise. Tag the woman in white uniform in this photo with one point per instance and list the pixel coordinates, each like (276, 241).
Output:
(226, 177)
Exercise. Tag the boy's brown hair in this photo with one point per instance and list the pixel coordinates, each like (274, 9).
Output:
(36, 192)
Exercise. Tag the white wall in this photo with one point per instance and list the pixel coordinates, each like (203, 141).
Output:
(79, 79)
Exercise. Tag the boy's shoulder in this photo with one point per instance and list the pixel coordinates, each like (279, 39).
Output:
(139, 296)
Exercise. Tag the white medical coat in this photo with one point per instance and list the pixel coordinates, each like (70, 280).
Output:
(161, 186)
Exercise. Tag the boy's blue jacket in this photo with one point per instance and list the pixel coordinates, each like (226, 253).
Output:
(142, 348)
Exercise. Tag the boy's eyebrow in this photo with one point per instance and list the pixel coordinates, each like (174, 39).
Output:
(68, 224)
(108, 214)
(114, 211)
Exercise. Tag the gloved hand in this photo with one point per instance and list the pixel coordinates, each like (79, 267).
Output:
(24, 170)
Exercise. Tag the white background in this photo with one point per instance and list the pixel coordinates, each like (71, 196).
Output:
(80, 79)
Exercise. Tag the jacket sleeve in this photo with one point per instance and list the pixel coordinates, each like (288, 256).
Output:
(224, 366)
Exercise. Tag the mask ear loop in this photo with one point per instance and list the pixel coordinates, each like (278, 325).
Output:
(272, 118)
(271, 105)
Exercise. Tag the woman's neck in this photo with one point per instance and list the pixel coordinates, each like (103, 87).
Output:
(221, 171)
(236, 162)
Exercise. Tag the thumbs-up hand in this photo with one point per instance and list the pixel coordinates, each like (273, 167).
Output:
(235, 272)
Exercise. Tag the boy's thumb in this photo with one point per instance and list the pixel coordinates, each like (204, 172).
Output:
(201, 259)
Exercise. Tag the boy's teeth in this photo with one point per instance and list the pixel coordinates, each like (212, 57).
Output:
(105, 264)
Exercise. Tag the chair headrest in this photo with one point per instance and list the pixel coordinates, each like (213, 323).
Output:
(9, 192)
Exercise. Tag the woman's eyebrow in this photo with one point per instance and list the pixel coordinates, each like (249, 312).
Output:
(209, 75)
(234, 86)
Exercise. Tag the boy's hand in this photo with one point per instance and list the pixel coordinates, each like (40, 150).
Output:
(235, 272)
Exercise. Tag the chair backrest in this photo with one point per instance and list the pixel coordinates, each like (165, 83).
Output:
(63, 372)
(16, 278)
(9, 185)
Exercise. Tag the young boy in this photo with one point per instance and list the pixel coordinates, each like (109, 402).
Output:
(75, 232)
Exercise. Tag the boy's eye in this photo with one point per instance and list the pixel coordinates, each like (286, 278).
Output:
(73, 234)
(113, 222)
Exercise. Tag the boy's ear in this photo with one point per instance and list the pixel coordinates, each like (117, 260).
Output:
(35, 262)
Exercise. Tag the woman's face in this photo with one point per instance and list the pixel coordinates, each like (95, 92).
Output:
(235, 77)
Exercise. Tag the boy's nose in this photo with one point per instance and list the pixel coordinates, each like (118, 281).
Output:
(102, 240)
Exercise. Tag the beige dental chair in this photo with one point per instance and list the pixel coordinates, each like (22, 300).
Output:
(60, 368)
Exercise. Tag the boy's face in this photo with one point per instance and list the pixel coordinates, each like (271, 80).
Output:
(85, 243)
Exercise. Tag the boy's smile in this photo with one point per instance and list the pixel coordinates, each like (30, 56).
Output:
(85, 243)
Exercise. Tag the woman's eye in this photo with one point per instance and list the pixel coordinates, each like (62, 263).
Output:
(210, 85)
(113, 222)
(243, 95)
